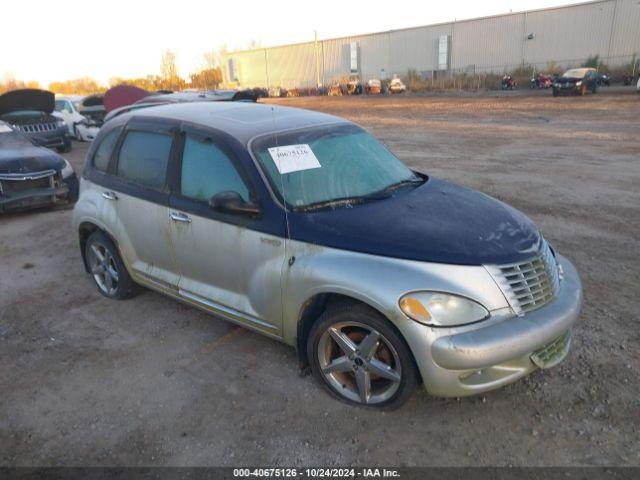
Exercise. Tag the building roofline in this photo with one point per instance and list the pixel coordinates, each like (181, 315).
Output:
(440, 24)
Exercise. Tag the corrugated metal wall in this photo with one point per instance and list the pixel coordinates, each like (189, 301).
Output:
(488, 43)
(565, 35)
(416, 48)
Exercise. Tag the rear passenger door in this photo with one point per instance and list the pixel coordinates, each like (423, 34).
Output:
(141, 195)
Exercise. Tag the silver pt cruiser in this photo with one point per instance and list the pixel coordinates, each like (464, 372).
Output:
(303, 227)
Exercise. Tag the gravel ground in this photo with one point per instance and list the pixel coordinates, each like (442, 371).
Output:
(88, 381)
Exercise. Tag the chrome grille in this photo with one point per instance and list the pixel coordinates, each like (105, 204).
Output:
(38, 127)
(528, 285)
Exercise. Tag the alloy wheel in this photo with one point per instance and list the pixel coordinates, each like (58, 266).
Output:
(103, 268)
(359, 363)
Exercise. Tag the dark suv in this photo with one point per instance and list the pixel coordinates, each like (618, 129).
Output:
(576, 81)
(30, 112)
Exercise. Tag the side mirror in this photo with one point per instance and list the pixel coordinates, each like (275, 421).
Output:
(232, 202)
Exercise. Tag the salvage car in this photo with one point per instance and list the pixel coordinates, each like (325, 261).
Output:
(303, 227)
(82, 128)
(32, 176)
(576, 81)
(374, 86)
(92, 107)
(30, 111)
(396, 86)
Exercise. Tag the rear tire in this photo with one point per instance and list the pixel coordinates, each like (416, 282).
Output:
(360, 359)
(107, 268)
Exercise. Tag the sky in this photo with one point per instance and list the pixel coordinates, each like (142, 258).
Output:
(51, 41)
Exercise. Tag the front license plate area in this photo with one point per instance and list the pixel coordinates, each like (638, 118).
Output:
(552, 353)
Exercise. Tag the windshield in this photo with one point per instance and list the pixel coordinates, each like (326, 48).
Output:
(575, 73)
(60, 105)
(325, 164)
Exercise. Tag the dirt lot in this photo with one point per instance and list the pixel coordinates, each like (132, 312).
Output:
(149, 381)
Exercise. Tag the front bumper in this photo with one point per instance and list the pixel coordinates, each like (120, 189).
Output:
(569, 89)
(35, 190)
(495, 352)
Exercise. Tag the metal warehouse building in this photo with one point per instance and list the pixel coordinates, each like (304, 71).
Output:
(564, 35)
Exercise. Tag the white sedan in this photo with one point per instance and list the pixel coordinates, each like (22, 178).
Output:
(79, 126)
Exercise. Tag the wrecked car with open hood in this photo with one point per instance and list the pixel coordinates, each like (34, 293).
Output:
(31, 111)
(92, 108)
(32, 176)
(304, 227)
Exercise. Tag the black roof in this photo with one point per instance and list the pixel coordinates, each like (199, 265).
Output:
(239, 119)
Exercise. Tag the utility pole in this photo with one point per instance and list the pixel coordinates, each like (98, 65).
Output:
(315, 42)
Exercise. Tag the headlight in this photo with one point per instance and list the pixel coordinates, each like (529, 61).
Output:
(67, 170)
(578, 83)
(441, 309)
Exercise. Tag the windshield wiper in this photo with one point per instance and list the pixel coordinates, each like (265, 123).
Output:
(336, 202)
(386, 192)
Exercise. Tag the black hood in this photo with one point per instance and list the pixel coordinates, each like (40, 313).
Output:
(19, 155)
(27, 99)
(435, 222)
(96, 100)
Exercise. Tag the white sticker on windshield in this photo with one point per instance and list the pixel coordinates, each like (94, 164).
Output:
(5, 129)
(293, 158)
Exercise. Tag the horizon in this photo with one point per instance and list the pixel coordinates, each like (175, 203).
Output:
(191, 37)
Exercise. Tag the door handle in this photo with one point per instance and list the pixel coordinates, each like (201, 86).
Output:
(180, 217)
(109, 195)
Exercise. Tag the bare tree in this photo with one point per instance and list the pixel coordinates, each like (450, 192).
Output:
(169, 71)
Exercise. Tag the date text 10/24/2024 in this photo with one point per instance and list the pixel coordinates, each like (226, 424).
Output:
(316, 472)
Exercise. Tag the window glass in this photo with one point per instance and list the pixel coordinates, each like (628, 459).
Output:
(103, 153)
(207, 170)
(143, 158)
(351, 164)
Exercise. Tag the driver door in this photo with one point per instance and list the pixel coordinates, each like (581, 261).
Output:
(226, 264)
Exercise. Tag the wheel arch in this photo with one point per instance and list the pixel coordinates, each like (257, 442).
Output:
(313, 308)
(85, 229)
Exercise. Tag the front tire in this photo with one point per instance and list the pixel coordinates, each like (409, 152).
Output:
(359, 358)
(107, 268)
